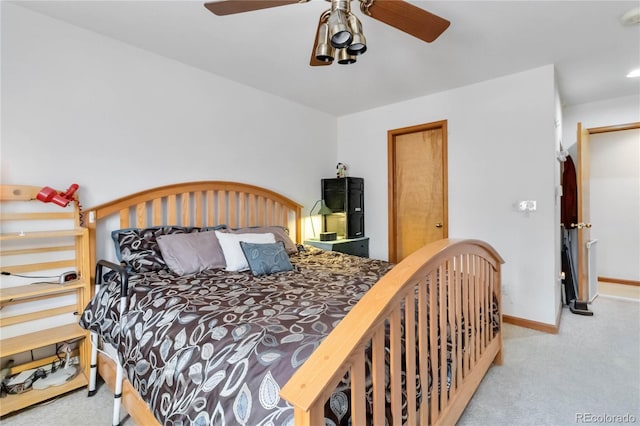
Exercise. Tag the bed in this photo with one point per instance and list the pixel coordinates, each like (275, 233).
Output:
(335, 339)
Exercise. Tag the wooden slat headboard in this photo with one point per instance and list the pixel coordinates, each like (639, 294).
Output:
(205, 203)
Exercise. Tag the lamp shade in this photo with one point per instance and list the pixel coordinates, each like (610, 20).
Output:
(324, 210)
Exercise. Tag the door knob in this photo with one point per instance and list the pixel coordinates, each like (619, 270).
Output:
(581, 225)
(438, 225)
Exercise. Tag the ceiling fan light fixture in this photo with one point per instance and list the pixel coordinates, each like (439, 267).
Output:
(344, 58)
(324, 51)
(359, 43)
(339, 33)
(358, 46)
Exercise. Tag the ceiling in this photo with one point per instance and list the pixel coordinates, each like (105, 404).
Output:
(270, 49)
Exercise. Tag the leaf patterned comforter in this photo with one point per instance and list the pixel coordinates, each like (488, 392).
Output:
(216, 347)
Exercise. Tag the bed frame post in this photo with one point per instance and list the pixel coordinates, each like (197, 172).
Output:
(93, 366)
(117, 391)
(117, 396)
(498, 360)
(93, 372)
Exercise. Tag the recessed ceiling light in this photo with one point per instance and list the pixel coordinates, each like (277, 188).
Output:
(634, 73)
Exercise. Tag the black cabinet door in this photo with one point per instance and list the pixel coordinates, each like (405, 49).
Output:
(344, 194)
(355, 195)
(355, 225)
(359, 247)
(334, 194)
(356, 247)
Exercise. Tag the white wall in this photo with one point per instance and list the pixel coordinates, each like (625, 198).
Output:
(615, 203)
(598, 114)
(501, 149)
(80, 107)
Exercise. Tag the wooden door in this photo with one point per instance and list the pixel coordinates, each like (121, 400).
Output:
(584, 221)
(417, 166)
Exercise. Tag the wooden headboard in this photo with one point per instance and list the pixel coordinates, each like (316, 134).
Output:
(200, 204)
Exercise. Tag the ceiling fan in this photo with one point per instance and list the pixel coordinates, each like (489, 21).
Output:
(339, 33)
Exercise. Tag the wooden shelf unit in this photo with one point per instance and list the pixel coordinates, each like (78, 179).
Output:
(42, 234)
(25, 247)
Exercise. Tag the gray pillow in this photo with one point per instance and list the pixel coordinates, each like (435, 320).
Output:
(266, 258)
(191, 253)
(279, 232)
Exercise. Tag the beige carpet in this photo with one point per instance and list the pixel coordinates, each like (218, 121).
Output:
(588, 373)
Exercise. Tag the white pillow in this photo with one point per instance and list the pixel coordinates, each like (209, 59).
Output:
(233, 255)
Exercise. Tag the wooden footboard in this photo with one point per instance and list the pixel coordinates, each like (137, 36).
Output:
(443, 297)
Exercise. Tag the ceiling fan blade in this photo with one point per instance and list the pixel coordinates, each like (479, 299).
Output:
(409, 18)
(229, 7)
(315, 62)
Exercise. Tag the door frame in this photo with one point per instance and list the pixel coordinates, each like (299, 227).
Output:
(583, 199)
(391, 163)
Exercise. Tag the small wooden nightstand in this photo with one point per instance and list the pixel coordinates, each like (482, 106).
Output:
(355, 246)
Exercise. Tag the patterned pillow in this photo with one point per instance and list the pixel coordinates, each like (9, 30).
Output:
(230, 243)
(138, 247)
(266, 258)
